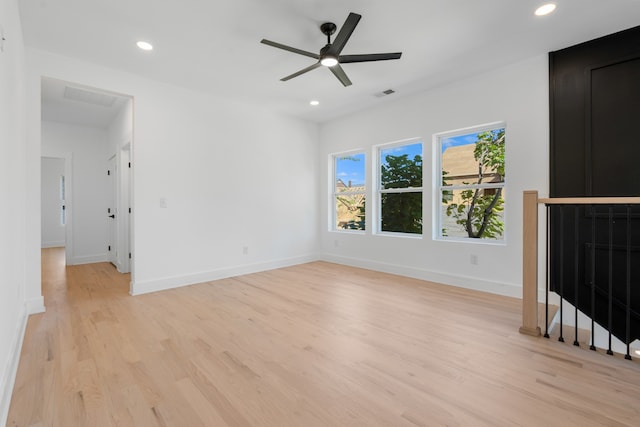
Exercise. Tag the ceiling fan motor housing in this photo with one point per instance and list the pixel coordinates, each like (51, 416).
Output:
(328, 28)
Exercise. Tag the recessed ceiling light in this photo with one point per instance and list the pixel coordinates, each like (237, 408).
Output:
(545, 9)
(314, 102)
(144, 45)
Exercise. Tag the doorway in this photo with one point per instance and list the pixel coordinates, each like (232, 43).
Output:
(88, 129)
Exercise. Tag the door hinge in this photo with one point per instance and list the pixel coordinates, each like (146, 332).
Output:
(109, 248)
(108, 210)
(129, 255)
(129, 164)
(129, 210)
(108, 172)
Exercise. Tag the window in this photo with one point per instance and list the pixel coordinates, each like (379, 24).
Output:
(400, 188)
(349, 191)
(470, 181)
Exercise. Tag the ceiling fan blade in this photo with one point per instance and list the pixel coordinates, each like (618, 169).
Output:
(346, 59)
(345, 32)
(290, 49)
(305, 70)
(340, 74)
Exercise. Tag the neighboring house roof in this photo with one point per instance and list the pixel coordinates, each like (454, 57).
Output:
(460, 164)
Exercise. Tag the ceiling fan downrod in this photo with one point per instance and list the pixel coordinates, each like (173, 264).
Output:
(328, 28)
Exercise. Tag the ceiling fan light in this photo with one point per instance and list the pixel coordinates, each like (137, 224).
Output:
(144, 45)
(329, 61)
(545, 9)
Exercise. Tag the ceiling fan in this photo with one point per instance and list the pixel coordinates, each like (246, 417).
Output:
(329, 55)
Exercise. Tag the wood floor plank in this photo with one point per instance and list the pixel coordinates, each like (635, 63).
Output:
(317, 344)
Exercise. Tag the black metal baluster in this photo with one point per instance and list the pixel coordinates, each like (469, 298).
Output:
(609, 351)
(576, 268)
(628, 304)
(546, 288)
(561, 338)
(593, 277)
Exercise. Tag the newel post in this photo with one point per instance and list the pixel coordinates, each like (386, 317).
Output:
(530, 264)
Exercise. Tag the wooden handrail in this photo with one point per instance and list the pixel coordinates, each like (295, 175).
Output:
(530, 248)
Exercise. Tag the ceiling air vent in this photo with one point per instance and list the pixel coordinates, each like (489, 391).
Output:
(89, 97)
(384, 93)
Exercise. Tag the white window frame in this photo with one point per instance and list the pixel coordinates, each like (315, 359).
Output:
(377, 178)
(438, 187)
(333, 194)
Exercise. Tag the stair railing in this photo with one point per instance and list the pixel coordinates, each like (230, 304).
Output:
(531, 204)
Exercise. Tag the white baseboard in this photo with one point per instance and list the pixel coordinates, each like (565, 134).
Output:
(493, 287)
(58, 244)
(8, 375)
(88, 259)
(505, 289)
(35, 305)
(161, 284)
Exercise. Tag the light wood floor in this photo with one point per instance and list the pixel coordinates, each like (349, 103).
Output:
(312, 345)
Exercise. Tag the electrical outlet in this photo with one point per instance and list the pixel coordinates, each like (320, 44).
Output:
(474, 259)
(245, 250)
(336, 243)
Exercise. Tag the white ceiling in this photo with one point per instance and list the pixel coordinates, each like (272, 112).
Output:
(214, 46)
(82, 107)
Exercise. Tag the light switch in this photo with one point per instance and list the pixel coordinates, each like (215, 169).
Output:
(163, 202)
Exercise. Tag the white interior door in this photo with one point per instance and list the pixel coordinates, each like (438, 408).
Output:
(53, 202)
(112, 214)
(124, 208)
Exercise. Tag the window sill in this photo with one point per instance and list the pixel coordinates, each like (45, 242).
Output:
(399, 235)
(469, 240)
(357, 232)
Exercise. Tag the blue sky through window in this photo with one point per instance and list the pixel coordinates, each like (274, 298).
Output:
(456, 141)
(410, 150)
(351, 168)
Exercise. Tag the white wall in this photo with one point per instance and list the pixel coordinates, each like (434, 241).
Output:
(120, 131)
(88, 147)
(13, 311)
(232, 175)
(518, 95)
(53, 231)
